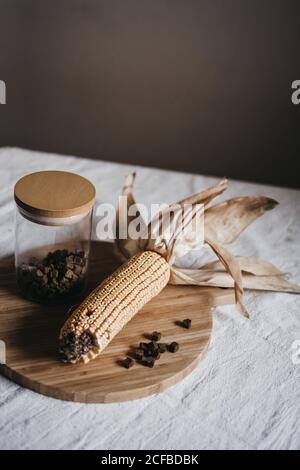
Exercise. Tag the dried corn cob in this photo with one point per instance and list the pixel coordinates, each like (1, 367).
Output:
(111, 305)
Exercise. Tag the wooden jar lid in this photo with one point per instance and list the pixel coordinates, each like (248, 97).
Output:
(54, 194)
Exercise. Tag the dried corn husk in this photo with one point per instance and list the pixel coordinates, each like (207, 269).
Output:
(248, 264)
(177, 238)
(223, 223)
(206, 196)
(231, 265)
(207, 278)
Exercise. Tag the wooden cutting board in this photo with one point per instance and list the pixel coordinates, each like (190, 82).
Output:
(30, 332)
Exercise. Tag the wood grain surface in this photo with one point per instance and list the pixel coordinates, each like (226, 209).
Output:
(30, 332)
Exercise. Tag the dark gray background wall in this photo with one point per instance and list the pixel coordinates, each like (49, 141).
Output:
(194, 85)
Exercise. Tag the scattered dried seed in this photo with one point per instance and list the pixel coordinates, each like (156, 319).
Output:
(173, 347)
(128, 362)
(156, 336)
(139, 354)
(162, 347)
(148, 353)
(153, 346)
(148, 362)
(187, 323)
(156, 355)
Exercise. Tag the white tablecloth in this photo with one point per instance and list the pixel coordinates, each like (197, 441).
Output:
(245, 392)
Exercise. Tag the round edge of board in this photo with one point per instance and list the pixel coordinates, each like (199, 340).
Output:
(100, 397)
(46, 374)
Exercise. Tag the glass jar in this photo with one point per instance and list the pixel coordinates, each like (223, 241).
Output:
(53, 232)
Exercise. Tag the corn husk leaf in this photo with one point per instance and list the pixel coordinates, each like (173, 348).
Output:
(248, 264)
(232, 266)
(207, 278)
(206, 196)
(125, 248)
(224, 222)
(172, 232)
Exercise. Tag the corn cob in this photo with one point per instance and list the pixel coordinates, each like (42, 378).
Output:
(111, 305)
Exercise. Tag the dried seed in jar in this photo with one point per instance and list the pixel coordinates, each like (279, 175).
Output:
(50, 278)
(69, 274)
(173, 347)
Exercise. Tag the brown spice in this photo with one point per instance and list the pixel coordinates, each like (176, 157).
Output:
(162, 347)
(128, 363)
(173, 347)
(51, 279)
(187, 323)
(139, 354)
(148, 362)
(156, 336)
